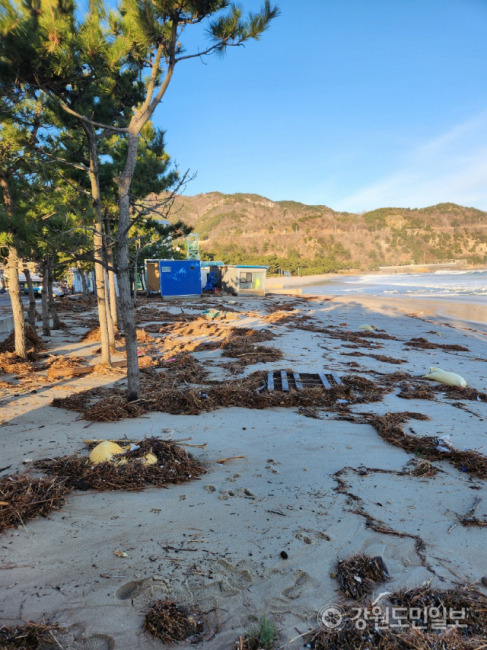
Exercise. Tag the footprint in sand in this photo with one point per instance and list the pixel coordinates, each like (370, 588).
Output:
(300, 583)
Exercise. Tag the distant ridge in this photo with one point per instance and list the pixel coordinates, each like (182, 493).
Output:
(251, 228)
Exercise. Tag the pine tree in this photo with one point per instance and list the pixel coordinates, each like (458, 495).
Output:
(126, 61)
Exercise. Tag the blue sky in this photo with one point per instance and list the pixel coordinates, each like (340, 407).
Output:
(355, 104)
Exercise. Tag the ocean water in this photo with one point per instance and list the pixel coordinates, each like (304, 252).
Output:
(470, 285)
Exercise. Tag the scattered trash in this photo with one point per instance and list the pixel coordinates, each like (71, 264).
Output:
(120, 553)
(106, 451)
(367, 328)
(445, 377)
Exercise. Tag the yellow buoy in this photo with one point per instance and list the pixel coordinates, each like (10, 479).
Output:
(104, 452)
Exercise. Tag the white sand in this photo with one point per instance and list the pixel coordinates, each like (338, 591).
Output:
(237, 519)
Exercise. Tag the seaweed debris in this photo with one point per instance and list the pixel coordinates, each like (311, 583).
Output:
(32, 341)
(389, 428)
(174, 465)
(172, 622)
(61, 361)
(423, 344)
(247, 392)
(24, 498)
(31, 636)
(376, 631)
(358, 575)
(469, 601)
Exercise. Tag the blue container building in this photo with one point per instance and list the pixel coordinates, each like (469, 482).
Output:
(180, 277)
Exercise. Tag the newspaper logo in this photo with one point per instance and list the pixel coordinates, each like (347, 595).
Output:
(330, 617)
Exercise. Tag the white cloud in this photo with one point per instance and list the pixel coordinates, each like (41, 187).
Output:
(449, 168)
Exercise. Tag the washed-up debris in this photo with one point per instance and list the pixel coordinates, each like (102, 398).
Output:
(145, 314)
(415, 391)
(468, 600)
(172, 622)
(367, 328)
(174, 465)
(77, 305)
(423, 468)
(445, 377)
(285, 380)
(247, 392)
(389, 427)
(61, 361)
(31, 636)
(414, 629)
(469, 518)
(423, 344)
(32, 341)
(24, 497)
(359, 574)
(385, 359)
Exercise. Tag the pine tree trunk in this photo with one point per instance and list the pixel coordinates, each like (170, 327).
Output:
(111, 330)
(126, 304)
(46, 329)
(98, 245)
(13, 276)
(52, 305)
(16, 300)
(32, 299)
(114, 308)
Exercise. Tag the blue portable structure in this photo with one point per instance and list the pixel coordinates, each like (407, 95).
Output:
(180, 277)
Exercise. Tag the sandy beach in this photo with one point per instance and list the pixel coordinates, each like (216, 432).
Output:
(261, 533)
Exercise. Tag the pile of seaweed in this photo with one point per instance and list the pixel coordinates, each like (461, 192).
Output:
(79, 305)
(10, 363)
(23, 497)
(359, 574)
(248, 392)
(32, 341)
(174, 465)
(429, 447)
(93, 335)
(423, 344)
(31, 636)
(61, 361)
(172, 622)
(377, 631)
(145, 314)
(241, 346)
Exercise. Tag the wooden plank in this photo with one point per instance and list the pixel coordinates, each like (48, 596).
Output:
(270, 381)
(284, 381)
(297, 381)
(324, 380)
(336, 377)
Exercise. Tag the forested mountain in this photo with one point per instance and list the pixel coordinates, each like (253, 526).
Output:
(252, 229)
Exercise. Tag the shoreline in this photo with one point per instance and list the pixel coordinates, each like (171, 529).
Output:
(281, 282)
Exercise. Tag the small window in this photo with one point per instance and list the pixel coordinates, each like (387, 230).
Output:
(245, 278)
